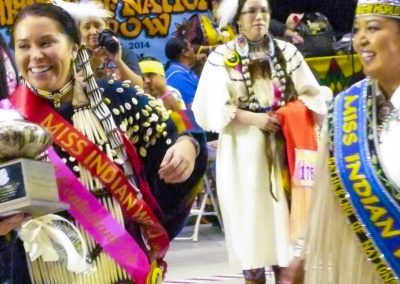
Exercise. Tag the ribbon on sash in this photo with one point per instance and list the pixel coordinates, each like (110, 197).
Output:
(43, 238)
(100, 224)
(99, 165)
(373, 214)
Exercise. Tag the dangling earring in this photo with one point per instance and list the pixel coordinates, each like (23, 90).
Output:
(79, 98)
(73, 67)
(239, 28)
(242, 46)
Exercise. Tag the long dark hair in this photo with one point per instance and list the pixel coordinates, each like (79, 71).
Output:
(3, 72)
(65, 21)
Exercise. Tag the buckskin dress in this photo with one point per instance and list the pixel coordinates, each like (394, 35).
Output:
(249, 168)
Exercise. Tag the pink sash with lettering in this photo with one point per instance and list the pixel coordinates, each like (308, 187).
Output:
(99, 165)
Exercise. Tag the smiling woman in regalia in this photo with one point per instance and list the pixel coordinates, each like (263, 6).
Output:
(354, 232)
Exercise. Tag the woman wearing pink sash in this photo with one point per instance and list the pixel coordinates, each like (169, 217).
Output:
(139, 164)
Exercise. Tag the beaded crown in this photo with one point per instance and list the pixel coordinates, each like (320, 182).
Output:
(386, 8)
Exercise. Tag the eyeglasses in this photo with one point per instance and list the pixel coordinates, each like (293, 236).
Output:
(254, 11)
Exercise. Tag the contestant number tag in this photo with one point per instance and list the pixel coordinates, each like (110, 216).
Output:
(304, 171)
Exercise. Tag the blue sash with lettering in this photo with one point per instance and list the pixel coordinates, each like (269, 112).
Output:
(366, 199)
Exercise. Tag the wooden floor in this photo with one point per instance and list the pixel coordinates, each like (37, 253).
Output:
(204, 261)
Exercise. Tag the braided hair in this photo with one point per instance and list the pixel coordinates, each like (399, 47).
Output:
(290, 90)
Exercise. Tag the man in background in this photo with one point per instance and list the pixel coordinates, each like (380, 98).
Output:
(179, 74)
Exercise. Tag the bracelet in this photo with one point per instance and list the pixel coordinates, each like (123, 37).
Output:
(194, 141)
(298, 247)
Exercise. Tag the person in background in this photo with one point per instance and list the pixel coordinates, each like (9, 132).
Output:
(253, 91)
(179, 75)
(8, 71)
(276, 27)
(353, 234)
(211, 34)
(118, 63)
(341, 23)
(155, 84)
(279, 29)
(128, 134)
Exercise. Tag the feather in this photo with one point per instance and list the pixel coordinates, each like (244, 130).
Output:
(84, 9)
(226, 12)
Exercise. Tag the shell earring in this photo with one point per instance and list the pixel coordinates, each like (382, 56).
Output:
(239, 28)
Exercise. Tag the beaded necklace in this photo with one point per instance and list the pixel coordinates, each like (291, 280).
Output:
(54, 96)
(278, 74)
(394, 115)
(373, 135)
(388, 115)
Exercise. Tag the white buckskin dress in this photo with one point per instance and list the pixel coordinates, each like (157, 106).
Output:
(249, 174)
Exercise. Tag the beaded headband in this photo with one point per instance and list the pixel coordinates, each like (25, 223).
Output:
(386, 8)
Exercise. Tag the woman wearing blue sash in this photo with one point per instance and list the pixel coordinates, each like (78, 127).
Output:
(354, 234)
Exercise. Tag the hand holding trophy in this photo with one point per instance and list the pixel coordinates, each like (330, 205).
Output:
(28, 188)
(26, 185)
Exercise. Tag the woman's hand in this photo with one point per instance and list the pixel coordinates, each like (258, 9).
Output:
(178, 162)
(268, 122)
(294, 274)
(265, 121)
(10, 223)
(98, 57)
(294, 36)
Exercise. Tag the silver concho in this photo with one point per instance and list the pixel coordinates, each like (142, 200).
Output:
(19, 138)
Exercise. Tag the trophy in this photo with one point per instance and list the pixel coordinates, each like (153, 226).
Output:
(26, 185)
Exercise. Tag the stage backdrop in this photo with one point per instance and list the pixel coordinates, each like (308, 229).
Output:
(336, 72)
(142, 25)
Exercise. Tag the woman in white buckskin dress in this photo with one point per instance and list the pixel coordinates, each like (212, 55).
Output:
(246, 91)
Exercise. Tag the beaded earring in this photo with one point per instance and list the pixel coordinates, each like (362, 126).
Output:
(239, 29)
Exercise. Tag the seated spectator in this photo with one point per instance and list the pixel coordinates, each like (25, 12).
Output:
(91, 19)
(155, 84)
(179, 74)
